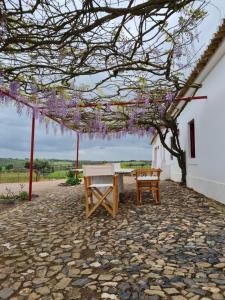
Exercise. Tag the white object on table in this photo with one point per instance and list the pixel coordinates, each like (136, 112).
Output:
(121, 172)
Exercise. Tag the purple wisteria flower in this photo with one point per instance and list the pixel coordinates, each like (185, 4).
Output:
(63, 107)
(108, 109)
(178, 51)
(169, 97)
(1, 77)
(180, 65)
(52, 101)
(14, 88)
(33, 88)
(19, 108)
(62, 128)
(161, 110)
(76, 117)
(151, 131)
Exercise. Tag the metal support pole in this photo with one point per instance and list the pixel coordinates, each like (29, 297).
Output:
(77, 159)
(31, 157)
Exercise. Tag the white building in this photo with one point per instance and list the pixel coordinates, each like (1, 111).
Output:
(201, 127)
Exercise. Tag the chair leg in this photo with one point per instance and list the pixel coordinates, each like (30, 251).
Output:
(115, 200)
(86, 182)
(158, 196)
(137, 196)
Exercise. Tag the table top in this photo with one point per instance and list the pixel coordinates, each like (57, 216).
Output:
(124, 171)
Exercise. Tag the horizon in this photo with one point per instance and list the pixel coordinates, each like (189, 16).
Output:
(26, 158)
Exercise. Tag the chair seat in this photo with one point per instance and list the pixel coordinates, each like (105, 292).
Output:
(100, 185)
(147, 178)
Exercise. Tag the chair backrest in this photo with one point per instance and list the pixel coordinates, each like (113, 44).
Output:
(98, 170)
(148, 172)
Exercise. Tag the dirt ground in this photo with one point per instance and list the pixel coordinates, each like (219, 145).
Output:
(38, 187)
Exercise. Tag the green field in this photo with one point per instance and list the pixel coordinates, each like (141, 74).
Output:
(135, 164)
(10, 177)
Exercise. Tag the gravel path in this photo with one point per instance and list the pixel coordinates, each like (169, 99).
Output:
(172, 251)
(38, 187)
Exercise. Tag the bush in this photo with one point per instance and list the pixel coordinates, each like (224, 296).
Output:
(23, 195)
(71, 174)
(73, 181)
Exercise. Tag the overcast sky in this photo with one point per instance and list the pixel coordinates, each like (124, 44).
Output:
(15, 130)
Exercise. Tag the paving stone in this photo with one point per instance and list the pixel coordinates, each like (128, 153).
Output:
(62, 284)
(179, 297)
(155, 292)
(5, 293)
(43, 290)
(33, 296)
(81, 282)
(175, 250)
(217, 296)
(171, 291)
(58, 296)
(105, 277)
(109, 296)
(219, 266)
(74, 293)
(73, 272)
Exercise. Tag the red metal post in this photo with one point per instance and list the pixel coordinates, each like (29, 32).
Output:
(77, 159)
(31, 157)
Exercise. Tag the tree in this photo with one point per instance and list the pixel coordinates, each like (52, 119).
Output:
(129, 49)
(42, 166)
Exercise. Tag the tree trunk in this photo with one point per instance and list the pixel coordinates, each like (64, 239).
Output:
(182, 164)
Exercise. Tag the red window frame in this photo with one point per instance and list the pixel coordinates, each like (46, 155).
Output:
(192, 138)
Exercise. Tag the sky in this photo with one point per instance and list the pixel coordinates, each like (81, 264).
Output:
(15, 130)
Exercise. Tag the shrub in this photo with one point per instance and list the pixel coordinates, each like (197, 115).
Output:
(71, 174)
(73, 181)
(23, 195)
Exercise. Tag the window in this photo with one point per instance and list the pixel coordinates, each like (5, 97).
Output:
(171, 146)
(192, 138)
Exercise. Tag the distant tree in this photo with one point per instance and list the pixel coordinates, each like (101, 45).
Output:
(27, 165)
(0, 168)
(43, 166)
(9, 167)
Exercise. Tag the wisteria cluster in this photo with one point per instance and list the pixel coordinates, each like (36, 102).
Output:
(105, 119)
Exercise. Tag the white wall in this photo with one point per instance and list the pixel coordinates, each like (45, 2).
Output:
(206, 172)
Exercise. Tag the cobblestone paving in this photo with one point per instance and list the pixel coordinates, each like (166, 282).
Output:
(173, 251)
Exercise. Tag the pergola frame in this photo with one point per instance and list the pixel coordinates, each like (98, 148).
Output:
(41, 110)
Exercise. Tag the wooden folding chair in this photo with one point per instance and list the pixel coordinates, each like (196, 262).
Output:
(148, 179)
(101, 189)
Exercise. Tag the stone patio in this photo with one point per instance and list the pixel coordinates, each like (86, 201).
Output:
(173, 251)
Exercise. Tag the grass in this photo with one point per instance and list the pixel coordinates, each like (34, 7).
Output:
(12, 177)
(56, 175)
(135, 164)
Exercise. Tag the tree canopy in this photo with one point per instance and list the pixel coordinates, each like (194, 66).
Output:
(107, 47)
(67, 54)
